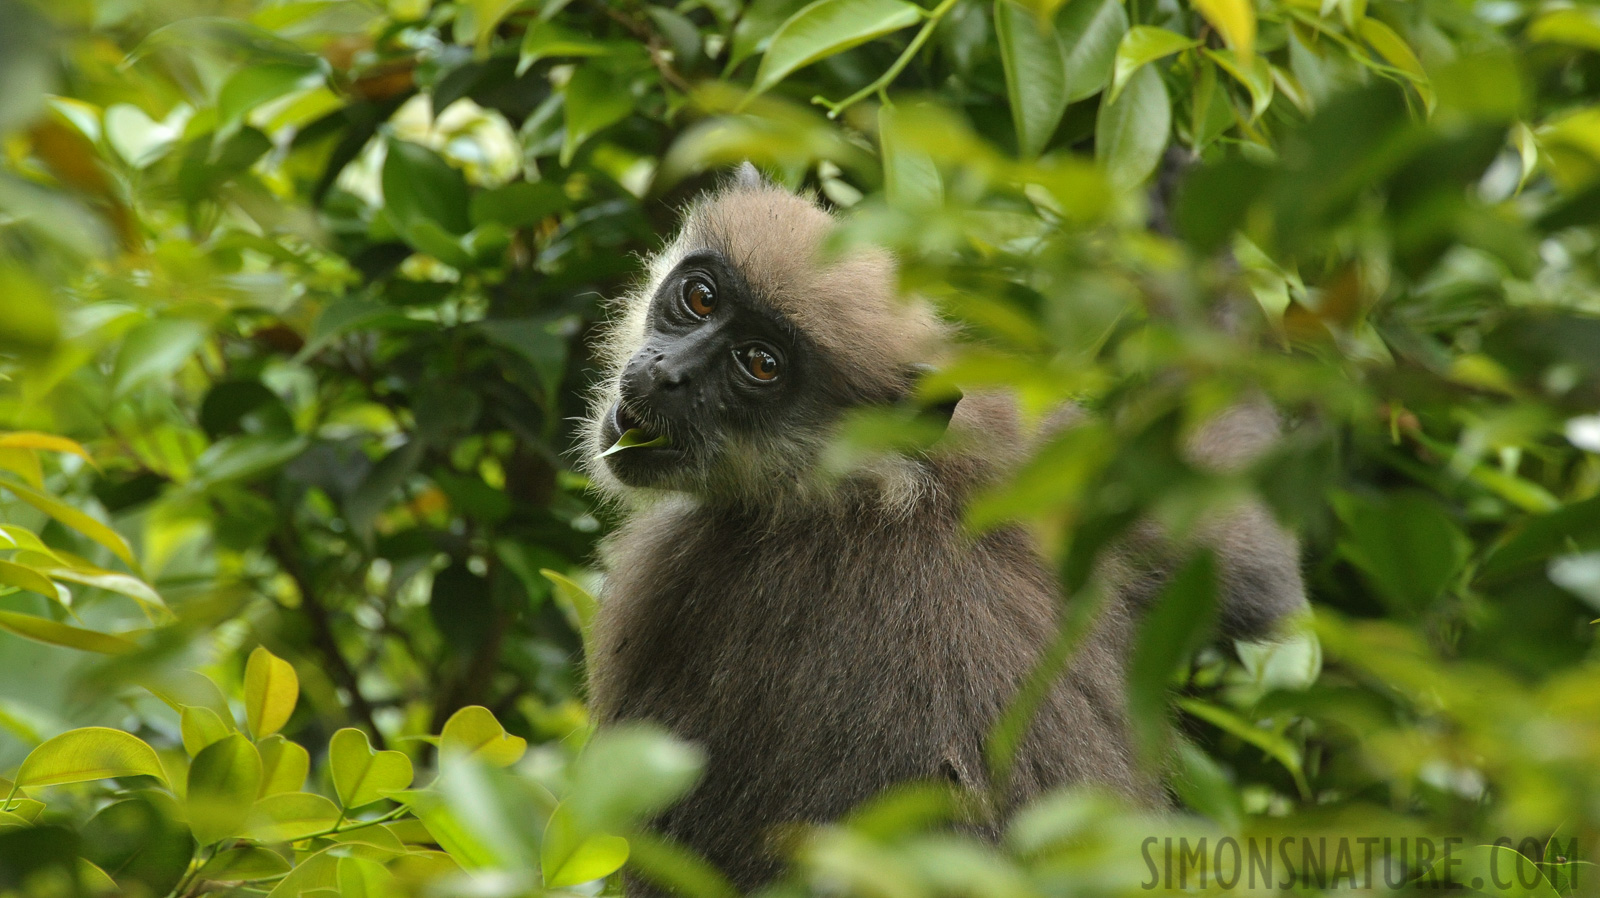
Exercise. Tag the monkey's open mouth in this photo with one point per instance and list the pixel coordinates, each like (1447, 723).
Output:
(633, 433)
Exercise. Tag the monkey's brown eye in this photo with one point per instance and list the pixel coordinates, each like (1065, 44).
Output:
(762, 365)
(699, 297)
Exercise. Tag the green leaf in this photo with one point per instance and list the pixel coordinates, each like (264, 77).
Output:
(420, 188)
(757, 26)
(1142, 45)
(247, 456)
(201, 727)
(361, 775)
(596, 97)
(223, 782)
(90, 753)
(1408, 547)
(826, 27)
(628, 774)
(1256, 76)
(75, 519)
(284, 765)
(1090, 32)
(154, 350)
(137, 138)
(476, 20)
(544, 40)
(474, 731)
(568, 857)
(465, 840)
(522, 204)
(1035, 74)
(48, 631)
(244, 865)
(1274, 745)
(1175, 626)
(910, 177)
(636, 439)
(1496, 870)
(253, 86)
(1203, 786)
(1131, 130)
(271, 689)
(290, 816)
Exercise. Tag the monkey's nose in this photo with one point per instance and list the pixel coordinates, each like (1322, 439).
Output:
(666, 376)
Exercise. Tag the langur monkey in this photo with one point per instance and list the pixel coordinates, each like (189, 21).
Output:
(822, 637)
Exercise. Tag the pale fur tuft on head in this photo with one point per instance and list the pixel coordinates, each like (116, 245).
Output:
(847, 305)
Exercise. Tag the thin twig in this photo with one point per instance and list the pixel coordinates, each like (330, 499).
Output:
(881, 84)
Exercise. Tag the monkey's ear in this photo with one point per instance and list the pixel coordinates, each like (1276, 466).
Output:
(748, 177)
(939, 412)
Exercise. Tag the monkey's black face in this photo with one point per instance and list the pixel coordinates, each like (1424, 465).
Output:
(718, 377)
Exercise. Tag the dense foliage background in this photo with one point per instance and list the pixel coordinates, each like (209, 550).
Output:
(294, 308)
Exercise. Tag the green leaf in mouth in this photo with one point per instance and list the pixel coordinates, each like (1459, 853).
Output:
(635, 439)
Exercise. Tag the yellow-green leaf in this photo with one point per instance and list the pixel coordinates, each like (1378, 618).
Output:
(271, 689)
(72, 517)
(244, 865)
(27, 540)
(1575, 26)
(1143, 44)
(90, 753)
(1397, 53)
(1235, 20)
(25, 464)
(361, 775)
(95, 880)
(200, 728)
(79, 571)
(24, 577)
(361, 877)
(910, 178)
(48, 631)
(1255, 73)
(1527, 152)
(284, 765)
(223, 782)
(26, 439)
(576, 601)
(289, 816)
(180, 688)
(313, 877)
(568, 856)
(473, 730)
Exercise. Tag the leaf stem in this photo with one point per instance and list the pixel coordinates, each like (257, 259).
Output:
(881, 84)
(359, 824)
(6, 805)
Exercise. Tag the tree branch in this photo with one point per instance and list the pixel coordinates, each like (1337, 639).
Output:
(284, 551)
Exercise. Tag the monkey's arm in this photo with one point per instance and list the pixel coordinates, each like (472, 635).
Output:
(1258, 561)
